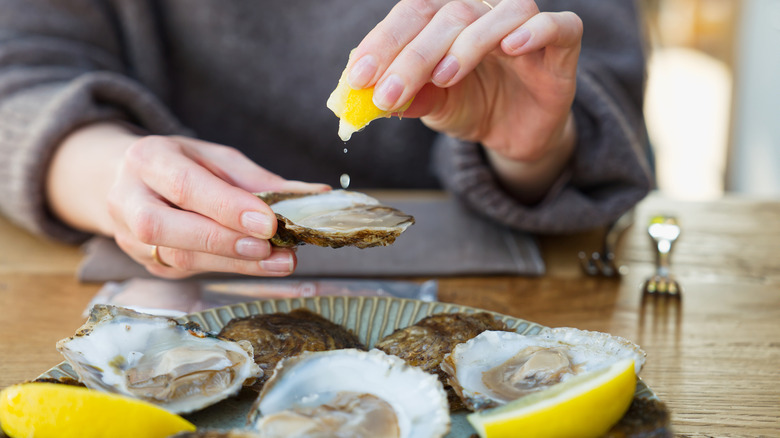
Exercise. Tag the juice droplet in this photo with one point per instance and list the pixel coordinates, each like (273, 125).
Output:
(344, 180)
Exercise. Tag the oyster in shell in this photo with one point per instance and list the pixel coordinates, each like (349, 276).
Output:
(335, 218)
(425, 343)
(278, 335)
(497, 367)
(176, 366)
(350, 393)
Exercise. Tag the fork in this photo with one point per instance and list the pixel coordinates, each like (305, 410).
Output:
(602, 263)
(664, 230)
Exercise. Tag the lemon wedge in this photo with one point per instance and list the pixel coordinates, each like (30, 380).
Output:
(355, 108)
(583, 406)
(47, 410)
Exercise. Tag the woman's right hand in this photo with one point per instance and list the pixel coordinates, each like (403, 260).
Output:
(191, 200)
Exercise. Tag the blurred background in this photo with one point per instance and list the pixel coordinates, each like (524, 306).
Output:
(713, 97)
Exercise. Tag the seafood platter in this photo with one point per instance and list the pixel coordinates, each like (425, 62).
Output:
(353, 366)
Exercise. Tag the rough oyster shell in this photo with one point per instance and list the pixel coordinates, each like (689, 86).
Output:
(425, 343)
(176, 366)
(311, 388)
(286, 334)
(335, 218)
(497, 367)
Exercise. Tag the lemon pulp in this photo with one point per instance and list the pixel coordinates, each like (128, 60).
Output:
(354, 108)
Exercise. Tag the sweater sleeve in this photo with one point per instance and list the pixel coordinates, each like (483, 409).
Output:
(61, 66)
(611, 168)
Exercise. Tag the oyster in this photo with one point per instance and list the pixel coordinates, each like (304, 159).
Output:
(335, 218)
(497, 367)
(425, 343)
(350, 393)
(278, 335)
(176, 366)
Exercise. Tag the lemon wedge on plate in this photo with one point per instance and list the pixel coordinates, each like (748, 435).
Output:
(355, 108)
(47, 410)
(587, 405)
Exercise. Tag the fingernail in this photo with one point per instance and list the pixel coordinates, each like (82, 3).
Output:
(257, 224)
(517, 39)
(278, 262)
(361, 72)
(253, 248)
(446, 70)
(387, 93)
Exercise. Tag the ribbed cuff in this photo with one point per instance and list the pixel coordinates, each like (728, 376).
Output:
(35, 119)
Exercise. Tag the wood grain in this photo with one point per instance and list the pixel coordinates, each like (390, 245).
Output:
(713, 356)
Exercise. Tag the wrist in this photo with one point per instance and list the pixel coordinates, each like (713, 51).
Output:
(530, 180)
(83, 169)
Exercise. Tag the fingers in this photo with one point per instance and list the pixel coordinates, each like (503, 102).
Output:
(180, 263)
(168, 170)
(192, 201)
(151, 221)
(380, 47)
(549, 29)
(415, 64)
(481, 38)
(233, 166)
(441, 41)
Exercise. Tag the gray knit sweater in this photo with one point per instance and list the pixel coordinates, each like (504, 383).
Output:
(256, 74)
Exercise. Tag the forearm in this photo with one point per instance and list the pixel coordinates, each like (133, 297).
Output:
(529, 181)
(82, 172)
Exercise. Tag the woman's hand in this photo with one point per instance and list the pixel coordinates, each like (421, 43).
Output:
(190, 199)
(504, 77)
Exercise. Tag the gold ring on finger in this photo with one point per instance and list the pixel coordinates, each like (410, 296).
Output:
(156, 257)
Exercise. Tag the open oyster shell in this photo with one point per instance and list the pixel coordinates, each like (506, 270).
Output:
(335, 218)
(350, 392)
(426, 343)
(497, 367)
(153, 358)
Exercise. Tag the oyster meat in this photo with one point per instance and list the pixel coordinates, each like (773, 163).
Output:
(176, 366)
(278, 335)
(425, 343)
(350, 393)
(497, 367)
(335, 218)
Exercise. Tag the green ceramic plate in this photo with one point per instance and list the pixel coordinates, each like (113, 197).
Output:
(371, 318)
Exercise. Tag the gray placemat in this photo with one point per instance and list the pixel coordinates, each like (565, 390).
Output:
(446, 240)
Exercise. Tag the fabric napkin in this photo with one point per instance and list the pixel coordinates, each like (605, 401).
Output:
(446, 240)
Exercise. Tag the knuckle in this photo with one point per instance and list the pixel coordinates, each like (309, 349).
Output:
(522, 8)
(460, 13)
(211, 242)
(180, 259)
(143, 151)
(420, 8)
(145, 224)
(180, 185)
(419, 54)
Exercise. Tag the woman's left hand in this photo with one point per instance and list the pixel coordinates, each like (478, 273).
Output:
(504, 77)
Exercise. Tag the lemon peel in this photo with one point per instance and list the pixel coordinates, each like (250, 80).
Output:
(584, 406)
(355, 108)
(53, 410)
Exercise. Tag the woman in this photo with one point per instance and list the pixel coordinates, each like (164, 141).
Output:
(115, 116)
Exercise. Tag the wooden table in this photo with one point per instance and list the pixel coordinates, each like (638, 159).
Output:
(713, 356)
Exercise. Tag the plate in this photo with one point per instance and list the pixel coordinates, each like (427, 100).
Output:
(370, 318)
